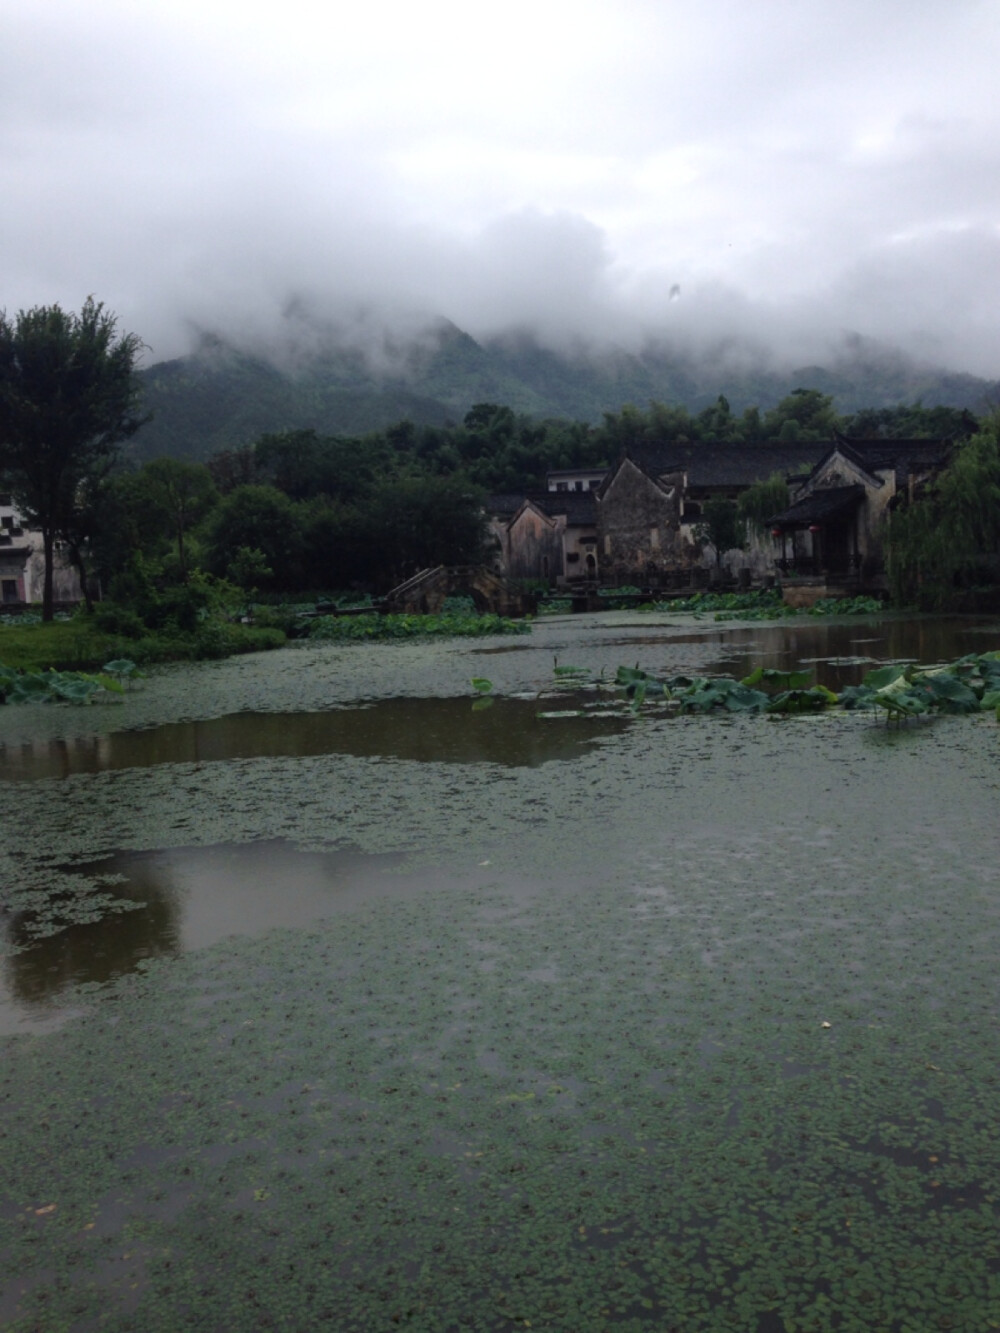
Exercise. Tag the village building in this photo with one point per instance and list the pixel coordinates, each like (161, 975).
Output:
(546, 536)
(575, 479)
(640, 521)
(22, 564)
(651, 503)
(15, 555)
(829, 540)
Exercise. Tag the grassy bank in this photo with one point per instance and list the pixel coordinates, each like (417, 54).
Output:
(78, 645)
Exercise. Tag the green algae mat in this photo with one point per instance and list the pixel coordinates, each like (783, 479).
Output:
(694, 1028)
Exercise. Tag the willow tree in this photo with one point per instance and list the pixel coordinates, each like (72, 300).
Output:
(949, 536)
(68, 398)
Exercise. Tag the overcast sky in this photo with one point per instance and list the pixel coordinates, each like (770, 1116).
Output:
(798, 169)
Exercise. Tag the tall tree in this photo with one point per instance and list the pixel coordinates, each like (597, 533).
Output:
(68, 397)
(949, 537)
(185, 492)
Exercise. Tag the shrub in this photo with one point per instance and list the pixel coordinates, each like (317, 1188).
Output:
(110, 618)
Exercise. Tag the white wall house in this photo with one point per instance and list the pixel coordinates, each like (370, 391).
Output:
(22, 563)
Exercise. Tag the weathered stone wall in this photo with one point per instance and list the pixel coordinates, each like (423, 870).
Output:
(581, 556)
(840, 471)
(638, 527)
(534, 546)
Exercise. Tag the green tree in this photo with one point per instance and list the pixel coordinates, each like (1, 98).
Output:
(760, 502)
(184, 493)
(304, 464)
(259, 518)
(719, 527)
(806, 414)
(910, 423)
(425, 521)
(948, 537)
(246, 569)
(68, 397)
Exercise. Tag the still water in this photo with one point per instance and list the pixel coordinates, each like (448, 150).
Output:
(840, 653)
(695, 1031)
(449, 731)
(185, 898)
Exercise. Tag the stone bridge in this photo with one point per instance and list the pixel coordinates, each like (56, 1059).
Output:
(425, 591)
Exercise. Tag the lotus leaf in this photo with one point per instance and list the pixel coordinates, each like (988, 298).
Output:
(812, 700)
(780, 680)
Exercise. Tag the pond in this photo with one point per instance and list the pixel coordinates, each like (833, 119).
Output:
(689, 1024)
(422, 730)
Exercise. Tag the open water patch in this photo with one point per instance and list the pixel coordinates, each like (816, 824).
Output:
(839, 652)
(161, 904)
(509, 732)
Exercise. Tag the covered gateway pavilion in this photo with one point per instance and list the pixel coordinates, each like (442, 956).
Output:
(818, 535)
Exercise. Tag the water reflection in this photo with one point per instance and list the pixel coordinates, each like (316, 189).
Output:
(190, 897)
(433, 730)
(97, 950)
(840, 653)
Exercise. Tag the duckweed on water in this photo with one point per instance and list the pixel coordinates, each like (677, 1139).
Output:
(466, 1115)
(710, 1044)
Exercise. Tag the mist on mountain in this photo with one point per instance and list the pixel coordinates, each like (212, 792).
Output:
(357, 373)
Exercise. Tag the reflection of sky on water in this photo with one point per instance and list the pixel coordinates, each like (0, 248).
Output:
(840, 653)
(191, 897)
(425, 730)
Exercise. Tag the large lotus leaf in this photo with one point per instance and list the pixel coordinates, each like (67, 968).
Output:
(74, 689)
(885, 676)
(121, 666)
(779, 680)
(857, 696)
(741, 699)
(629, 675)
(812, 700)
(32, 688)
(638, 684)
(902, 703)
(722, 692)
(947, 692)
(989, 669)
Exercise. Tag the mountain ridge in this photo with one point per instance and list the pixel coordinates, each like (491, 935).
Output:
(220, 397)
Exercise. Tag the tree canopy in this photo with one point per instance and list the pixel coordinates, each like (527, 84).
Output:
(68, 397)
(948, 539)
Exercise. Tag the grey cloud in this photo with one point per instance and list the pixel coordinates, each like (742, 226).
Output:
(802, 171)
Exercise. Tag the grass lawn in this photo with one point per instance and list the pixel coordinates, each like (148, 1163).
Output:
(78, 645)
(63, 643)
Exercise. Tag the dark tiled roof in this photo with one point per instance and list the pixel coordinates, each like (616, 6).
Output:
(827, 503)
(903, 456)
(728, 464)
(580, 507)
(507, 504)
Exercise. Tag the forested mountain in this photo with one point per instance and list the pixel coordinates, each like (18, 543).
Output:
(222, 398)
